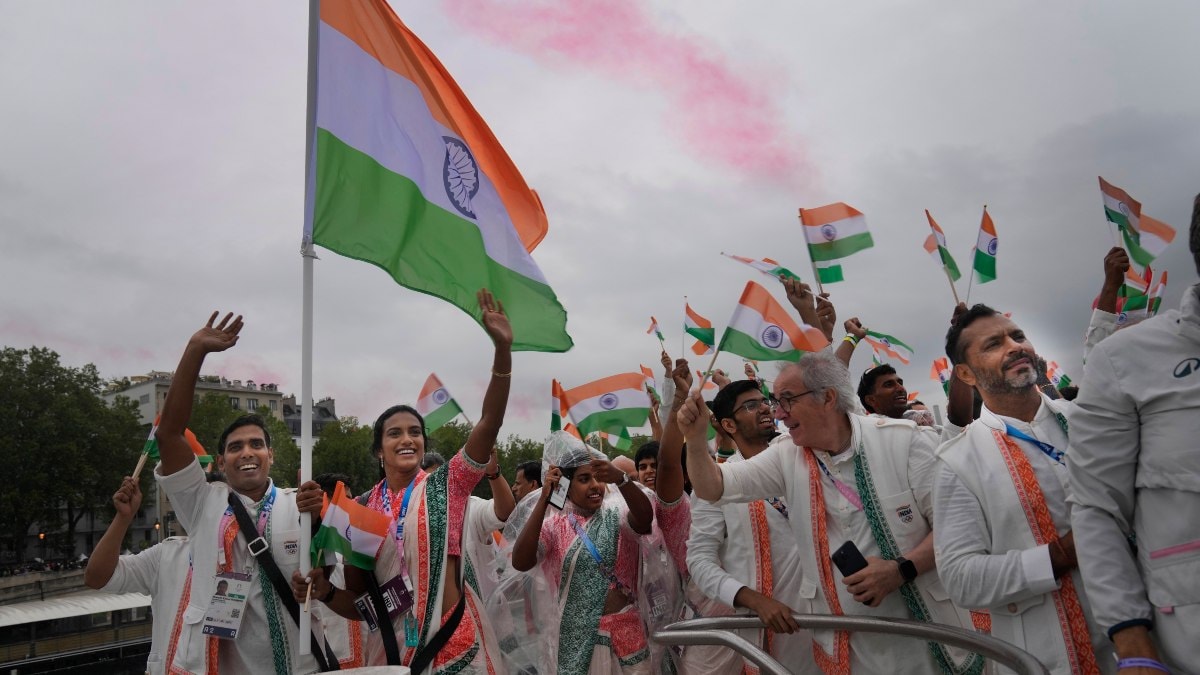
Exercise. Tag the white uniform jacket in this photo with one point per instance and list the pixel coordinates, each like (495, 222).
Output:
(1135, 470)
(159, 572)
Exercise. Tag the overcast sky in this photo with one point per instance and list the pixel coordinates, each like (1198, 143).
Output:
(151, 165)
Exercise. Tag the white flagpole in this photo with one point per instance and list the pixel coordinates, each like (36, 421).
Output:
(306, 329)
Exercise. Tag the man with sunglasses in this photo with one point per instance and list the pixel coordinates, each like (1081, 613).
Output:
(746, 555)
(845, 478)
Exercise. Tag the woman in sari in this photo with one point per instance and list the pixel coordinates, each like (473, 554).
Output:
(589, 551)
(425, 550)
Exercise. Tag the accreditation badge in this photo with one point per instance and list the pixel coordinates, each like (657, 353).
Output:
(228, 604)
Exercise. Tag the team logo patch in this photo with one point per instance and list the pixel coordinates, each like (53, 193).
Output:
(905, 513)
(461, 176)
(1187, 367)
(291, 547)
(772, 336)
(991, 247)
(440, 396)
(609, 401)
(829, 232)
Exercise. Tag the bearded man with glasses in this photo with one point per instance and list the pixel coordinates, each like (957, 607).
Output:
(845, 478)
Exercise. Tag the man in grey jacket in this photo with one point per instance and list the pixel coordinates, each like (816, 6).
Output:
(1135, 478)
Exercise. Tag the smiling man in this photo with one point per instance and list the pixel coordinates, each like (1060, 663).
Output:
(845, 478)
(1003, 538)
(882, 392)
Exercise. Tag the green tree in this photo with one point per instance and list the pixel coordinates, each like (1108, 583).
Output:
(345, 447)
(211, 413)
(449, 439)
(66, 449)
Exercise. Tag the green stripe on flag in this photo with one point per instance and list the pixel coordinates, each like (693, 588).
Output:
(1116, 217)
(1133, 244)
(840, 248)
(327, 539)
(737, 342)
(831, 274)
(985, 266)
(366, 212)
(437, 418)
(706, 335)
(948, 262)
(613, 421)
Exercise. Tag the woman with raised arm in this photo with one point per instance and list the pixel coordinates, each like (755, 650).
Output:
(444, 621)
(589, 551)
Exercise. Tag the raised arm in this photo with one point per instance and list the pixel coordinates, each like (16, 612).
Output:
(641, 512)
(104, 558)
(495, 400)
(503, 501)
(855, 332)
(1116, 263)
(826, 315)
(704, 473)
(524, 554)
(175, 453)
(668, 480)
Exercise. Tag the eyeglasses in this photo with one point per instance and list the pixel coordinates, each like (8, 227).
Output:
(786, 401)
(752, 405)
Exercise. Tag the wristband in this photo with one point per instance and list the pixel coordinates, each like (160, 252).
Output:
(329, 596)
(495, 374)
(492, 476)
(851, 339)
(1138, 662)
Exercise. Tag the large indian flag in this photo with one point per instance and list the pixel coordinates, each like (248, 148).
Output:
(436, 404)
(610, 404)
(699, 328)
(766, 266)
(407, 176)
(761, 329)
(985, 249)
(351, 529)
(890, 346)
(935, 245)
(834, 232)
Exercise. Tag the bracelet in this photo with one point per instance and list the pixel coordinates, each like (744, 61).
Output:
(329, 595)
(495, 374)
(1139, 662)
(851, 339)
(492, 476)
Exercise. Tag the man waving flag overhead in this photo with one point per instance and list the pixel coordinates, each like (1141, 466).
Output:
(408, 177)
(761, 329)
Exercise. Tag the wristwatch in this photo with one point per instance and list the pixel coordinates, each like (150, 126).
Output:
(624, 480)
(908, 569)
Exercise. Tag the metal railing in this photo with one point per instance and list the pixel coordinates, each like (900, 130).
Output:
(716, 631)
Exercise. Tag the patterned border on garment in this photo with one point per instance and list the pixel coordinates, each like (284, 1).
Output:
(837, 663)
(762, 560)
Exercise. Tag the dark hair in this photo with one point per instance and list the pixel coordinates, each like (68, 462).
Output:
(532, 470)
(953, 349)
(1069, 392)
(329, 481)
(377, 432)
(1194, 239)
(866, 384)
(243, 421)
(431, 460)
(723, 404)
(649, 450)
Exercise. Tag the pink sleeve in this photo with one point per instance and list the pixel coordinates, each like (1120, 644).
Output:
(675, 523)
(463, 475)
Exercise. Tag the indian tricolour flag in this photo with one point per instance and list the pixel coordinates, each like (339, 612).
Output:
(609, 404)
(766, 266)
(436, 404)
(556, 408)
(649, 375)
(621, 441)
(985, 249)
(1134, 295)
(349, 528)
(1056, 375)
(654, 329)
(1156, 293)
(407, 176)
(885, 344)
(834, 232)
(935, 245)
(699, 328)
(150, 447)
(761, 329)
(1145, 237)
(941, 373)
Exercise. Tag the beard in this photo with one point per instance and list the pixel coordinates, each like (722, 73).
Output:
(757, 432)
(999, 383)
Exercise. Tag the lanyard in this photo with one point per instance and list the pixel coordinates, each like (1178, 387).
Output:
(846, 490)
(387, 505)
(779, 506)
(1049, 450)
(229, 527)
(595, 553)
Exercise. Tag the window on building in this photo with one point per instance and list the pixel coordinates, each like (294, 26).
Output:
(273, 404)
(144, 399)
(235, 403)
(251, 404)
(101, 619)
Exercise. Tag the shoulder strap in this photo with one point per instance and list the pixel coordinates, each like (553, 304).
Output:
(262, 553)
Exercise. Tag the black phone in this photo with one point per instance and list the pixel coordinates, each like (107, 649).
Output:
(848, 559)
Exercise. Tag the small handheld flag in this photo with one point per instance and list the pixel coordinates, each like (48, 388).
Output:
(699, 328)
(349, 528)
(883, 343)
(766, 266)
(833, 232)
(436, 404)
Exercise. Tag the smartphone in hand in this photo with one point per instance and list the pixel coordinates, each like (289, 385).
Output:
(848, 559)
(558, 498)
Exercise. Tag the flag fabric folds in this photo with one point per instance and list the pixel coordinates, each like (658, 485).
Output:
(935, 245)
(622, 441)
(349, 528)
(1056, 376)
(761, 329)
(941, 373)
(556, 408)
(1145, 238)
(985, 249)
(766, 266)
(883, 343)
(436, 404)
(408, 177)
(609, 404)
(699, 328)
(654, 329)
(649, 375)
(834, 232)
(150, 447)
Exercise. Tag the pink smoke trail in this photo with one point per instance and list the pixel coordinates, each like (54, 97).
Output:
(720, 113)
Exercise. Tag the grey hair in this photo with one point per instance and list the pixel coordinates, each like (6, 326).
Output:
(822, 371)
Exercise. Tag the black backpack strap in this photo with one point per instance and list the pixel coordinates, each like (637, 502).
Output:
(261, 550)
(387, 632)
(424, 656)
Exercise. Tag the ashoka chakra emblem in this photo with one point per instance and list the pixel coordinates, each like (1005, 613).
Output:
(1123, 208)
(829, 232)
(440, 396)
(772, 336)
(991, 249)
(609, 401)
(461, 176)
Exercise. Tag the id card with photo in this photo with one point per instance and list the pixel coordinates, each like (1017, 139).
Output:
(227, 606)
